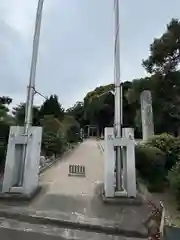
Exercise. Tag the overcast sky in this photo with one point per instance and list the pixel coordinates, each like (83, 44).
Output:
(76, 45)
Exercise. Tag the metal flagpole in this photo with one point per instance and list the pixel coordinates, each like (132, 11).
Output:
(118, 97)
(31, 86)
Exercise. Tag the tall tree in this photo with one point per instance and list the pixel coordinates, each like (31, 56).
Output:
(165, 51)
(163, 64)
(52, 107)
(77, 111)
(99, 106)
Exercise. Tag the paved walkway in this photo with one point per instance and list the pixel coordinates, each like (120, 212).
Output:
(58, 181)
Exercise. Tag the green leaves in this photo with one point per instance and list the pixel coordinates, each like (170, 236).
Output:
(52, 143)
(150, 162)
(165, 51)
(174, 180)
(77, 111)
(52, 107)
(4, 101)
(19, 114)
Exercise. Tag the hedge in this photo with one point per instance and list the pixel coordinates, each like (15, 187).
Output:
(174, 180)
(150, 163)
(168, 144)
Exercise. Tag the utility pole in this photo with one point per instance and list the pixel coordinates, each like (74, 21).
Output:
(118, 98)
(31, 86)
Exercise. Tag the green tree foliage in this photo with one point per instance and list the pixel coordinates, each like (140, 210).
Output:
(163, 64)
(19, 114)
(53, 140)
(99, 107)
(165, 98)
(129, 110)
(4, 135)
(53, 144)
(77, 111)
(174, 180)
(52, 107)
(4, 128)
(168, 144)
(50, 123)
(150, 163)
(165, 51)
(4, 102)
(71, 129)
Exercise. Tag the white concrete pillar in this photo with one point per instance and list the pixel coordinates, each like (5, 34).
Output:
(15, 161)
(130, 169)
(109, 158)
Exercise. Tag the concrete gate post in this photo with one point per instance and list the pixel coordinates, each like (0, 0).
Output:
(109, 158)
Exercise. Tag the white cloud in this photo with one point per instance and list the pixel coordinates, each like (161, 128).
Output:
(19, 14)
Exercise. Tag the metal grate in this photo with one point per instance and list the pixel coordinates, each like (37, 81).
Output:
(77, 170)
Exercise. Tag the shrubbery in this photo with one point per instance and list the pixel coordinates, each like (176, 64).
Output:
(4, 134)
(170, 145)
(53, 144)
(150, 163)
(158, 161)
(57, 135)
(174, 180)
(71, 129)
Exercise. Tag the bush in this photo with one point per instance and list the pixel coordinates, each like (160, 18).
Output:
(169, 145)
(162, 141)
(71, 129)
(73, 134)
(4, 135)
(150, 163)
(53, 144)
(58, 134)
(174, 180)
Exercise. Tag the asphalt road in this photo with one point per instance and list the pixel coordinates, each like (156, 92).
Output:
(9, 234)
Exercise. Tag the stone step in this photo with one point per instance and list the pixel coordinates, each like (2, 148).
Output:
(72, 221)
(13, 229)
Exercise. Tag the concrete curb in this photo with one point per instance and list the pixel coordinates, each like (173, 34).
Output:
(19, 196)
(138, 201)
(100, 147)
(72, 222)
(46, 167)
